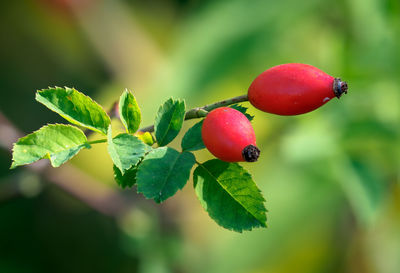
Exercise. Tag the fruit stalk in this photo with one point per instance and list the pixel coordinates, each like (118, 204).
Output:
(200, 112)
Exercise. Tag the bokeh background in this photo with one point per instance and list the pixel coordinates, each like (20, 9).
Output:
(330, 177)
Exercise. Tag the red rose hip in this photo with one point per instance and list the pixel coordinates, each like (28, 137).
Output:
(293, 89)
(229, 136)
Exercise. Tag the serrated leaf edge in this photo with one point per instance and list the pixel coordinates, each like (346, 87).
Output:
(179, 188)
(67, 117)
(13, 166)
(248, 116)
(169, 124)
(190, 149)
(123, 120)
(262, 224)
(109, 137)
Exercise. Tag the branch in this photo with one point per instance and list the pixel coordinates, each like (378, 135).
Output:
(200, 112)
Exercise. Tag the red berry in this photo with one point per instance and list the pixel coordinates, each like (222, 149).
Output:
(292, 89)
(229, 136)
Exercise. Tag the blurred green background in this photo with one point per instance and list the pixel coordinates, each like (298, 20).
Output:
(330, 177)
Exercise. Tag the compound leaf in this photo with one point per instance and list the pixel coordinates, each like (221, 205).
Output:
(57, 142)
(229, 195)
(243, 110)
(169, 121)
(75, 107)
(163, 172)
(192, 140)
(129, 112)
(125, 150)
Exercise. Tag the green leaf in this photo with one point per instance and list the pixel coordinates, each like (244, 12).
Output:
(75, 107)
(192, 140)
(243, 110)
(125, 180)
(229, 195)
(129, 112)
(169, 121)
(57, 142)
(57, 159)
(163, 172)
(128, 179)
(147, 148)
(125, 150)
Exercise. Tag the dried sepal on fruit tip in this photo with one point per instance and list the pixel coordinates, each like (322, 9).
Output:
(294, 89)
(229, 136)
(251, 153)
(339, 87)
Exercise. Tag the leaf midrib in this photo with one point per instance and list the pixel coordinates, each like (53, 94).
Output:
(169, 173)
(230, 193)
(169, 123)
(135, 112)
(66, 137)
(54, 108)
(76, 142)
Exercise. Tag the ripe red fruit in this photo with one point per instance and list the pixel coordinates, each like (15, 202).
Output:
(229, 136)
(292, 89)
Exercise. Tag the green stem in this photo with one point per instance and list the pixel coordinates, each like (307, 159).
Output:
(97, 141)
(201, 112)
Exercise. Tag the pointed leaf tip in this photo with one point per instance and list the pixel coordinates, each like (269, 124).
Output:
(57, 142)
(169, 120)
(229, 195)
(243, 110)
(192, 140)
(129, 112)
(75, 107)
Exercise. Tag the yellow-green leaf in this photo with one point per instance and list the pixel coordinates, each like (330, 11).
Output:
(129, 112)
(57, 142)
(75, 107)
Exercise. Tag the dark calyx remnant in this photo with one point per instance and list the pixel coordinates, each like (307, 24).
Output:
(339, 87)
(251, 153)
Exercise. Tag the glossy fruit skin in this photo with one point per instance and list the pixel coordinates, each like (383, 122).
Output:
(293, 89)
(226, 132)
